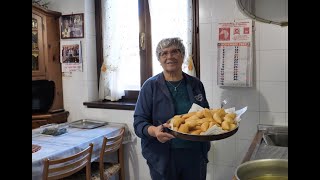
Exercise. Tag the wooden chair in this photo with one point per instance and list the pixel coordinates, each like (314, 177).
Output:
(104, 170)
(67, 166)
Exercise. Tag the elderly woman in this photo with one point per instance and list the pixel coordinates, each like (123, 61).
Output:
(161, 97)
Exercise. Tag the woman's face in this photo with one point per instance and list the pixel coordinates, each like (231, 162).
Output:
(171, 59)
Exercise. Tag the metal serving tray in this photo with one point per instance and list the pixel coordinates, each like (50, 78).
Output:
(87, 124)
(202, 137)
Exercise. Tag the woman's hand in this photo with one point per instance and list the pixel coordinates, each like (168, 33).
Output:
(157, 131)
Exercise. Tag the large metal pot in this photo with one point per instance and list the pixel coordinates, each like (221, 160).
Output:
(262, 169)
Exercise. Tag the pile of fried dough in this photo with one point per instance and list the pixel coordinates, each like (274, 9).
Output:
(197, 123)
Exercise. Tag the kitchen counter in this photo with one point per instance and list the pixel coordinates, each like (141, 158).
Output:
(269, 152)
(260, 150)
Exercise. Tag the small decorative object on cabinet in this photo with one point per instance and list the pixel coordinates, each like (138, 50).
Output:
(46, 67)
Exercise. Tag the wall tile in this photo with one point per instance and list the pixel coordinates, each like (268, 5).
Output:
(71, 88)
(91, 60)
(286, 65)
(286, 119)
(137, 167)
(216, 95)
(206, 45)
(239, 97)
(242, 147)
(238, 14)
(256, 36)
(286, 97)
(223, 172)
(272, 65)
(92, 90)
(211, 152)
(67, 7)
(285, 29)
(273, 118)
(208, 68)
(272, 97)
(89, 6)
(271, 37)
(208, 88)
(205, 11)
(215, 35)
(225, 151)
(75, 112)
(111, 115)
(223, 10)
(256, 66)
(89, 23)
(210, 172)
(248, 125)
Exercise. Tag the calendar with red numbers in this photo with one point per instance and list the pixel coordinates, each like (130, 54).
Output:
(234, 53)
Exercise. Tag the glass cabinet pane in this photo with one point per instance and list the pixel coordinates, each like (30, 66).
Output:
(35, 46)
(35, 61)
(34, 23)
(35, 40)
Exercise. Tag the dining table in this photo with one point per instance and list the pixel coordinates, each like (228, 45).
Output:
(74, 140)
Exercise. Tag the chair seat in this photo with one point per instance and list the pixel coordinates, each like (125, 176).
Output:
(109, 170)
(81, 175)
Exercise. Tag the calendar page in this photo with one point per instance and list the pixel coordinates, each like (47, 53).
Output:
(235, 54)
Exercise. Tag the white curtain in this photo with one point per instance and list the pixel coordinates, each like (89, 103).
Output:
(120, 40)
(169, 18)
(172, 18)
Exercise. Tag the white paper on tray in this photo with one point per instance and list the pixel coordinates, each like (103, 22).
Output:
(240, 112)
(214, 130)
(195, 107)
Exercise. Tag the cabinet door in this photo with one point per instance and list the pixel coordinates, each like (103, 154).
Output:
(38, 68)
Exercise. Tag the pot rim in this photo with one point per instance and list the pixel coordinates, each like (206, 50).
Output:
(257, 161)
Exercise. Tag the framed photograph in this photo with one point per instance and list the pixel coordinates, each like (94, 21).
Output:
(71, 56)
(72, 26)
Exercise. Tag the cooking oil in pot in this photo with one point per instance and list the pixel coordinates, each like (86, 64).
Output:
(270, 177)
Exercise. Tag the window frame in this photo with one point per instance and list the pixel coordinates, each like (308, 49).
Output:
(128, 101)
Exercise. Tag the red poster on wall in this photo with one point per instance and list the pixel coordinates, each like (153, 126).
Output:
(235, 53)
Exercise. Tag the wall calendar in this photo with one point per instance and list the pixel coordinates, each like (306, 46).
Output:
(234, 45)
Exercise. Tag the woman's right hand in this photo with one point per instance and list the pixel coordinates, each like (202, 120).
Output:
(157, 131)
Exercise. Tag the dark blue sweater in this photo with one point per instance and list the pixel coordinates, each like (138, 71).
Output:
(155, 103)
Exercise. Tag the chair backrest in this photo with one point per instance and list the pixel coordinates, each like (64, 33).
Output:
(110, 145)
(64, 167)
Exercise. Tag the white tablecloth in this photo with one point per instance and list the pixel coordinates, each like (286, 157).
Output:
(67, 144)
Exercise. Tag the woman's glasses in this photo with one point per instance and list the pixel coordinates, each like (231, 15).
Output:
(173, 52)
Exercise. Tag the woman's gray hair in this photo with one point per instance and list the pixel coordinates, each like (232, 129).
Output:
(167, 42)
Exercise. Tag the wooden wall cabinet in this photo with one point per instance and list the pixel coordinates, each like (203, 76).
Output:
(46, 51)
(46, 61)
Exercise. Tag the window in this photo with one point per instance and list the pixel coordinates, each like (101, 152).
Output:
(145, 30)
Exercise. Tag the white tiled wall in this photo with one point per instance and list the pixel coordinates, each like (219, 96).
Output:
(267, 100)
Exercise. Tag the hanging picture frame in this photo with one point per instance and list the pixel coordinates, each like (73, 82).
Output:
(72, 26)
(71, 56)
